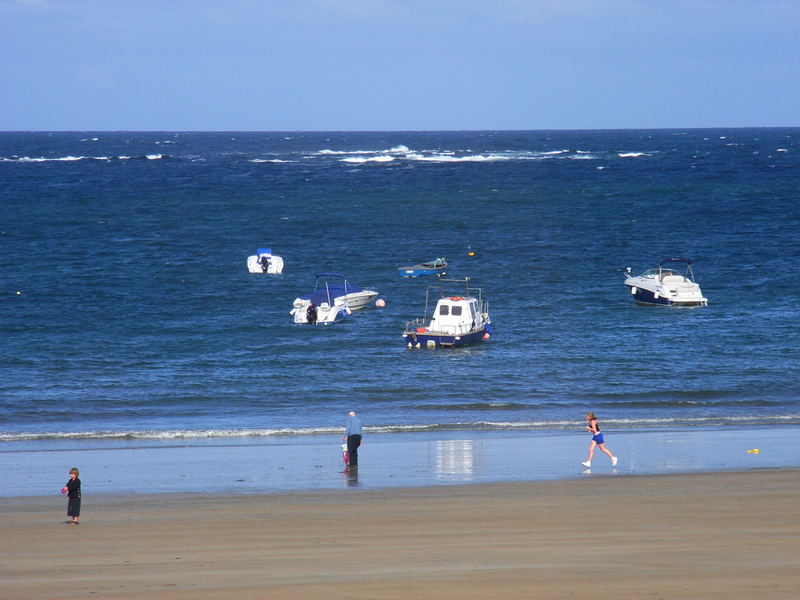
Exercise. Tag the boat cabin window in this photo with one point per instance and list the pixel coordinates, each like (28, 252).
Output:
(456, 311)
(444, 309)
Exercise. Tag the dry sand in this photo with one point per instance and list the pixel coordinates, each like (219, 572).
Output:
(727, 535)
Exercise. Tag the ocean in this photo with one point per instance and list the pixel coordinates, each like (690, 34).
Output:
(128, 315)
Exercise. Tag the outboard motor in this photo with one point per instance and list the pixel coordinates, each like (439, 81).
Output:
(311, 314)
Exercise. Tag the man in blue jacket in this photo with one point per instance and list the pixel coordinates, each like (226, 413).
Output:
(353, 437)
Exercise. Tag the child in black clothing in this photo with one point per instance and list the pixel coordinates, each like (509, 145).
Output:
(73, 488)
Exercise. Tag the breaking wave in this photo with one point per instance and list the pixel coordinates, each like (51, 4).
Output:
(544, 425)
(44, 159)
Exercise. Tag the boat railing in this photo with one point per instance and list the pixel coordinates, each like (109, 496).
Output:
(421, 326)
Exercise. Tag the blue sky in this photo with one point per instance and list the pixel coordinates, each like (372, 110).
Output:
(287, 65)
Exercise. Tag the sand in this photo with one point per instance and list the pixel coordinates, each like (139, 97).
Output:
(729, 535)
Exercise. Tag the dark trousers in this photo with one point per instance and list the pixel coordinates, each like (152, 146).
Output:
(74, 507)
(353, 442)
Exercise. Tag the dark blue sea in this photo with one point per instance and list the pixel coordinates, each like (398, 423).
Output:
(127, 311)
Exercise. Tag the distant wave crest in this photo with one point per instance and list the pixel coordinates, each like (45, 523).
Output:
(388, 156)
(44, 159)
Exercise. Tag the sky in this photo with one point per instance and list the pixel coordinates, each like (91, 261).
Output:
(397, 65)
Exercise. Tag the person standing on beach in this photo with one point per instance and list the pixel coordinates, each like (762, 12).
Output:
(597, 440)
(73, 488)
(353, 437)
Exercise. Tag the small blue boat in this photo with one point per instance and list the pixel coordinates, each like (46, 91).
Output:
(436, 266)
(455, 320)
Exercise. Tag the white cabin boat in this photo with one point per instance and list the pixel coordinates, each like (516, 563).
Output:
(455, 320)
(666, 285)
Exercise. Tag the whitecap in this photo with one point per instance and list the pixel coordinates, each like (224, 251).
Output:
(66, 158)
(472, 158)
(43, 159)
(782, 150)
(154, 156)
(360, 160)
(269, 160)
(631, 154)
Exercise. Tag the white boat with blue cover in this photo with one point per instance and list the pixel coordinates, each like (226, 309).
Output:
(436, 266)
(320, 307)
(455, 320)
(332, 300)
(263, 261)
(671, 283)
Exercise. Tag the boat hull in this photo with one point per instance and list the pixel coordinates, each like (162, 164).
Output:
(420, 272)
(648, 297)
(358, 300)
(432, 339)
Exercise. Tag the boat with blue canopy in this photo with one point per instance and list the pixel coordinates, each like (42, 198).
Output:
(332, 300)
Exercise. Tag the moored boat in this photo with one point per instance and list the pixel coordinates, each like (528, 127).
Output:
(339, 287)
(668, 284)
(263, 261)
(319, 308)
(454, 321)
(437, 266)
(332, 300)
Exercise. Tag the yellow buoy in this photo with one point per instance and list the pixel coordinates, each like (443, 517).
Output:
(754, 451)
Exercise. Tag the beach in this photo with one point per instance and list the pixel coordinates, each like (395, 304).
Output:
(700, 535)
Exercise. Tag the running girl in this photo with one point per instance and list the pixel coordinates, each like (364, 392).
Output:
(597, 440)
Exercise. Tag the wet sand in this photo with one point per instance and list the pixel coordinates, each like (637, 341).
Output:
(727, 535)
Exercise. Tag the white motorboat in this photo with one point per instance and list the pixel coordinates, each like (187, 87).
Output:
(265, 262)
(338, 287)
(319, 308)
(332, 300)
(669, 284)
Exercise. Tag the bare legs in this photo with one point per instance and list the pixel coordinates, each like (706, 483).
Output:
(602, 447)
